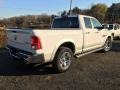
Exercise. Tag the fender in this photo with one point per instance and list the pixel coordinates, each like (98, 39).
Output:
(107, 34)
(59, 44)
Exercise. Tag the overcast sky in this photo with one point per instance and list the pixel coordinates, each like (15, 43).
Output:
(11, 8)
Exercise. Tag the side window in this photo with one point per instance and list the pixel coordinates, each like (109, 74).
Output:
(115, 27)
(118, 27)
(87, 22)
(96, 23)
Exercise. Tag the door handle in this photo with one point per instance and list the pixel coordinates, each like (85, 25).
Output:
(96, 32)
(104, 35)
(87, 32)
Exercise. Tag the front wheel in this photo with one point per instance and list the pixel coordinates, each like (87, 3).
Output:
(63, 59)
(108, 45)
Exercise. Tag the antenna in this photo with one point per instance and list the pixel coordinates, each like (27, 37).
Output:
(71, 6)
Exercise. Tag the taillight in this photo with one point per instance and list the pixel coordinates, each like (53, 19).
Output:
(35, 43)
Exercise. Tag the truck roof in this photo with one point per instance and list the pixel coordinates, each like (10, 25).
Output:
(73, 16)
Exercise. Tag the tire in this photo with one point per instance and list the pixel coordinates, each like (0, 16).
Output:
(63, 59)
(108, 45)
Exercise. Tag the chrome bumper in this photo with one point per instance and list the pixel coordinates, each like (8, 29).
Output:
(26, 56)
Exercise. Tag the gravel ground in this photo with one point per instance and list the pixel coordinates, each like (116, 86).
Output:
(96, 71)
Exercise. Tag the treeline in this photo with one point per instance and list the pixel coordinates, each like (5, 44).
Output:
(29, 21)
(98, 11)
(102, 12)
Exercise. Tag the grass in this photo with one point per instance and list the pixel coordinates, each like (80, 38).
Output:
(2, 38)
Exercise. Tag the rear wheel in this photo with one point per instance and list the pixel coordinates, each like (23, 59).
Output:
(108, 45)
(63, 59)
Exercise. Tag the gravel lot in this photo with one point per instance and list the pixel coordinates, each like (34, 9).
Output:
(96, 71)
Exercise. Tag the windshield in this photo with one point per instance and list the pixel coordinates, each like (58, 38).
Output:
(67, 22)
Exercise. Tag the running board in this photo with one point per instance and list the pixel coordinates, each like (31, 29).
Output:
(83, 54)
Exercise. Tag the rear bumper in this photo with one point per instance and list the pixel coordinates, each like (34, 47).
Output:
(27, 57)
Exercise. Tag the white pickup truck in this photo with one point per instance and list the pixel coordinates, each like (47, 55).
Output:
(115, 30)
(69, 36)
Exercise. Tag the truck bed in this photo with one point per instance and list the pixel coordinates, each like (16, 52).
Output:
(50, 39)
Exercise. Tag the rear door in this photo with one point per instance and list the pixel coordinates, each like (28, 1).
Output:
(20, 39)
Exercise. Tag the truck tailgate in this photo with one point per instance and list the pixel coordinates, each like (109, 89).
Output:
(19, 39)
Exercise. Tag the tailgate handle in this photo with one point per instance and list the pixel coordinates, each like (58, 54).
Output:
(87, 32)
(96, 32)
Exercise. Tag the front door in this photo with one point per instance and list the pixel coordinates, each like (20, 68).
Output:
(99, 32)
(90, 35)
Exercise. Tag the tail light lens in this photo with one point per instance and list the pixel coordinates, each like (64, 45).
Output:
(35, 43)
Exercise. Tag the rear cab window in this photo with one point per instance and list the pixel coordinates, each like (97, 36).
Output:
(66, 22)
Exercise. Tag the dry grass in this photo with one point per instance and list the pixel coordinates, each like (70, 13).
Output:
(2, 38)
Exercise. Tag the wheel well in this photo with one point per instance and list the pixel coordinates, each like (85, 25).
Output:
(68, 45)
(109, 37)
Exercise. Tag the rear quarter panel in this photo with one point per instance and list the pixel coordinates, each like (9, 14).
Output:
(52, 39)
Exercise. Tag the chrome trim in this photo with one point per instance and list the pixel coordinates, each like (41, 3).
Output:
(24, 54)
(80, 55)
(26, 59)
(8, 50)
